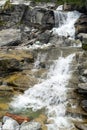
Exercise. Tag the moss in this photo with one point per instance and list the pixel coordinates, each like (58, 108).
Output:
(2, 23)
(84, 46)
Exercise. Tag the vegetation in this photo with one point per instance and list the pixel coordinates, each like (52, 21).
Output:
(78, 2)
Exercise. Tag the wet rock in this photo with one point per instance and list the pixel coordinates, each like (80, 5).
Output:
(42, 119)
(83, 86)
(85, 73)
(81, 24)
(30, 126)
(44, 37)
(19, 119)
(82, 79)
(10, 37)
(81, 126)
(6, 88)
(84, 105)
(9, 65)
(20, 79)
(9, 124)
(0, 125)
(48, 21)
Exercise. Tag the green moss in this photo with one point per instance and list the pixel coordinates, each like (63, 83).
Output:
(2, 23)
(77, 2)
(84, 46)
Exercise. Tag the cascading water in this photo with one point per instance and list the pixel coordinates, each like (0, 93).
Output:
(60, 18)
(64, 23)
(50, 94)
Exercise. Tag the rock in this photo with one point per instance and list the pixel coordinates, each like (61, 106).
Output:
(85, 73)
(9, 65)
(83, 86)
(73, 6)
(18, 118)
(84, 105)
(10, 37)
(48, 21)
(40, 18)
(0, 125)
(10, 124)
(82, 79)
(81, 24)
(30, 126)
(81, 126)
(13, 15)
(44, 37)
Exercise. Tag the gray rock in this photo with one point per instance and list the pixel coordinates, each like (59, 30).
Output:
(0, 125)
(10, 124)
(85, 72)
(83, 86)
(81, 24)
(84, 105)
(30, 126)
(10, 37)
(44, 37)
(83, 79)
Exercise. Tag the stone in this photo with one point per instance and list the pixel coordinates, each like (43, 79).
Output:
(0, 125)
(82, 79)
(81, 126)
(84, 105)
(81, 24)
(11, 37)
(83, 86)
(30, 126)
(9, 65)
(10, 124)
(44, 37)
(85, 73)
(18, 118)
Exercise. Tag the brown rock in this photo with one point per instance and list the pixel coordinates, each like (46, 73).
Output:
(18, 118)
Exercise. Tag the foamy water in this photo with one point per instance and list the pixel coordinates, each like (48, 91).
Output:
(66, 22)
(50, 94)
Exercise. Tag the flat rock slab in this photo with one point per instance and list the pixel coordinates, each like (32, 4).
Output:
(10, 37)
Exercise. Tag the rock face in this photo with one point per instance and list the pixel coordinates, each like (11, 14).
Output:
(81, 24)
(10, 37)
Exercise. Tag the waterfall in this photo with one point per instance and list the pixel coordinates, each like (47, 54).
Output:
(64, 23)
(60, 18)
(50, 94)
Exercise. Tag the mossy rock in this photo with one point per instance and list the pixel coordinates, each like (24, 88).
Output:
(84, 46)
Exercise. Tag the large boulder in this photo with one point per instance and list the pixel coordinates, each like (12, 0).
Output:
(10, 37)
(9, 124)
(41, 18)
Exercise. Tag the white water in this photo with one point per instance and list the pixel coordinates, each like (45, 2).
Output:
(66, 21)
(50, 94)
